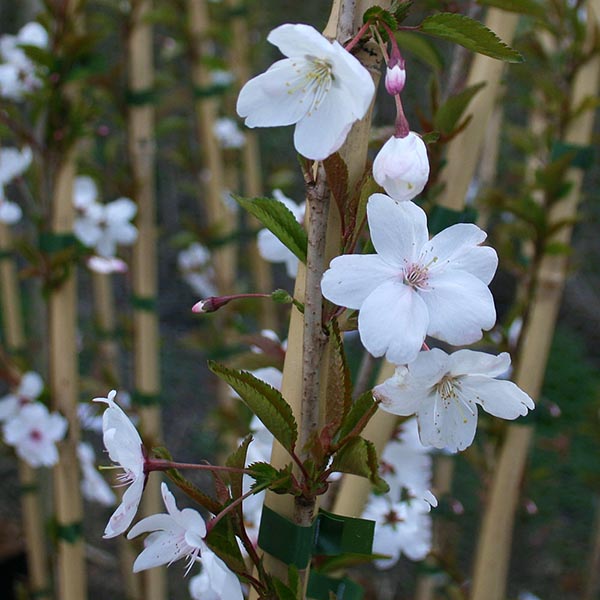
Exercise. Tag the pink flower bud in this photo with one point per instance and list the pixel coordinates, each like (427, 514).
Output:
(402, 167)
(395, 77)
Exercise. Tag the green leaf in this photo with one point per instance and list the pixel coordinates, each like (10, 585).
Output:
(358, 416)
(331, 564)
(376, 13)
(237, 460)
(267, 476)
(400, 10)
(222, 541)
(421, 48)
(523, 7)
(447, 116)
(470, 34)
(264, 401)
(279, 220)
(283, 591)
(339, 382)
(337, 179)
(557, 249)
(359, 457)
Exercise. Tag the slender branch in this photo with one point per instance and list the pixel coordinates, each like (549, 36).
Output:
(158, 464)
(259, 488)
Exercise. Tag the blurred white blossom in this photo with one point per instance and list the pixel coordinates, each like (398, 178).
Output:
(195, 266)
(93, 485)
(13, 163)
(228, 133)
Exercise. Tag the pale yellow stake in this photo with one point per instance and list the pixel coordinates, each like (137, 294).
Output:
(144, 268)
(345, 20)
(14, 334)
(491, 566)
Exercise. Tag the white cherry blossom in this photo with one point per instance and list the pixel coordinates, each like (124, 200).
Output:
(400, 528)
(13, 163)
(414, 286)
(17, 73)
(401, 167)
(177, 534)
(106, 265)
(444, 391)
(93, 485)
(125, 448)
(102, 226)
(195, 266)
(228, 133)
(216, 581)
(28, 391)
(320, 87)
(269, 246)
(34, 432)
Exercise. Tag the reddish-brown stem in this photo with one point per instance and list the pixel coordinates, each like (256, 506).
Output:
(158, 464)
(357, 37)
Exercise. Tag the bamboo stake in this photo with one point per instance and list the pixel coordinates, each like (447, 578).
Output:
(253, 185)
(144, 267)
(33, 520)
(491, 564)
(62, 315)
(217, 213)
(343, 22)
(463, 151)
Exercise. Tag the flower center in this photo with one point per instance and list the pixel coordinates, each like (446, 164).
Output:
(35, 435)
(315, 80)
(446, 388)
(416, 276)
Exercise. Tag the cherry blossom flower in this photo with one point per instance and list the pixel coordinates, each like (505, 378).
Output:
(28, 391)
(401, 167)
(406, 465)
(216, 581)
(102, 226)
(106, 265)
(195, 266)
(93, 485)
(228, 133)
(320, 87)
(444, 390)
(269, 246)
(400, 528)
(125, 448)
(34, 432)
(414, 286)
(17, 73)
(13, 163)
(177, 534)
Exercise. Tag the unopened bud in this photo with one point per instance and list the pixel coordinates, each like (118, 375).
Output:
(211, 304)
(395, 78)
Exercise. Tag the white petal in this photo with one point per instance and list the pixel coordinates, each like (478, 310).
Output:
(481, 261)
(87, 231)
(13, 162)
(500, 398)
(398, 229)
(299, 40)
(276, 97)
(85, 192)
(10, 212)
(449, 425)
(33, 34)
(471, 362)
(352, 277)
(325, 127)
(121, 209)
(163, 550)
(9, 406)
(271, 248)
(398, 396)
(157, 522)
(460, 306)
(122, 517)
(393, 321)
(31, 385)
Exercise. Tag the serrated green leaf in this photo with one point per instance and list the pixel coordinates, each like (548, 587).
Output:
(448, 114)
(400, 10)
(237, 460)
(339, 382)
(359, 457)
(358, 416)
(376, 13)
(279, 220)
(264, 401)
(523, 7)
(267, 476)
(283, 591)
(470, 34)
(421, 48)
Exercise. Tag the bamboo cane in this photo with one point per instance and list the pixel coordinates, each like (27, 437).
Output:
(343, 22)
(252, 176)
(63, 389)
(144, 267)
(491, 563)
(463, 151)
(217, 213)
(33, 520)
